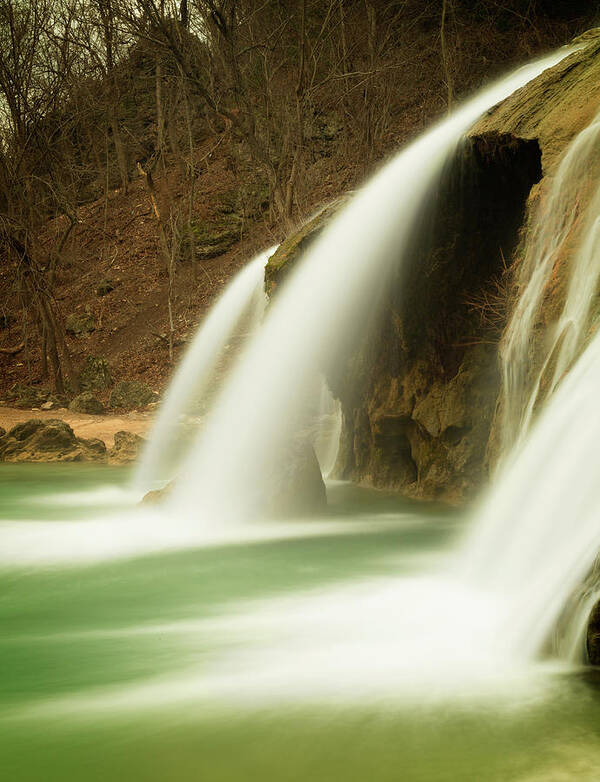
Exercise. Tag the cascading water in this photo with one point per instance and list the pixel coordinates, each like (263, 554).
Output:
(324, 305)
(328, 430)
(558, 219)
(243, 297)
(538, 533)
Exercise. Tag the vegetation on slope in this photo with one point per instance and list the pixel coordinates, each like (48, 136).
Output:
(148, 147)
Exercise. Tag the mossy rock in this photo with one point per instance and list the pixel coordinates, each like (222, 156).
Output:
(22, 395)
(290, 250)
(212, 239)
(95, 375)
(48, 441)
(80, 324)
(126, 448)
(131, 394)
(86, 403)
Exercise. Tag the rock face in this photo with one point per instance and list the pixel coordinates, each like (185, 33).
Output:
(48, 441)
(593, 636)
(556, 106)
(419, 393)
(126, 448)
(131, 394)
(552, 110)
(86, 403)
(288, 252)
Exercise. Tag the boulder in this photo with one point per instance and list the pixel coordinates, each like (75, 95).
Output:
(48, 441)
(126, 448)
(131, 394)
(86, 403)
(80, 324)
(95, 375)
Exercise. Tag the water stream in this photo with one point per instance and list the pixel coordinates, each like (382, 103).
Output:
(566, 220)
(243, 298)
(318, 316)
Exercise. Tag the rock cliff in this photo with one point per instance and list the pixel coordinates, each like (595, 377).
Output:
(419, 396)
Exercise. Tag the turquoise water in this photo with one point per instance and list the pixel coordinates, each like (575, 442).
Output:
(153, 667)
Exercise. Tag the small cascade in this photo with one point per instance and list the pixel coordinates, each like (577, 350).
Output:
(567, 214)
(328, 430)
(243, 301)
(318, 316)
(538, 533)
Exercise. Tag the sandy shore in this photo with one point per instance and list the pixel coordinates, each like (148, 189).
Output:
(87, 426)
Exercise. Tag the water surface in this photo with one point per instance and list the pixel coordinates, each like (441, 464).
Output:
(271, 659)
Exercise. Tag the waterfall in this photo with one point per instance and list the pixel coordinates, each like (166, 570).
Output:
(242, 298)
(319, 313)
(556, 224)
(538, 532)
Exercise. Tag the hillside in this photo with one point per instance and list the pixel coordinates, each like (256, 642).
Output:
(101, 258)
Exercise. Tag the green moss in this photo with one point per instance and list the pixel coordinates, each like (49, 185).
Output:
(288, 252)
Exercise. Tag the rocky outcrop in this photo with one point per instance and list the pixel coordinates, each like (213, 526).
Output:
(556, 106)
(131, 395)
(288, 252)
(552, 111)
(127, 447)
(419, 394)
(48, 441)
